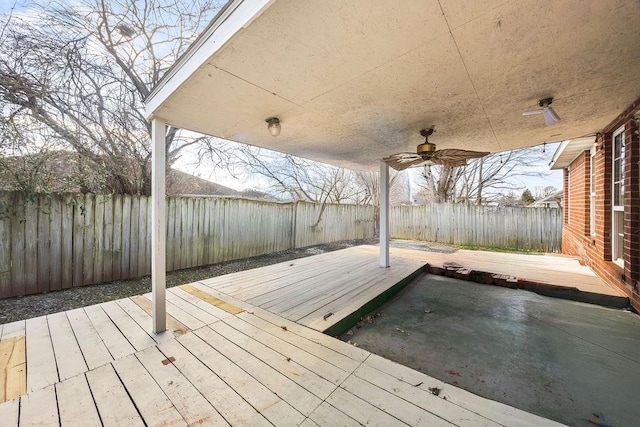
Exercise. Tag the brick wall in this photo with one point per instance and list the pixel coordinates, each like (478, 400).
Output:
(595, 250)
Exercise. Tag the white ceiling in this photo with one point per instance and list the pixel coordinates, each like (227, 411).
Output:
(354, 81)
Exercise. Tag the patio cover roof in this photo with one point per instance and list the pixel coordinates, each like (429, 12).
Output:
(354, 81)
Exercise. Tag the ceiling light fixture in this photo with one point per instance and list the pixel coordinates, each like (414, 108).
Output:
(273, 125)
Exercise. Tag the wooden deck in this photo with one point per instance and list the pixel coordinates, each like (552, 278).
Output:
(242, 349)
(100, 366)
(321, 290)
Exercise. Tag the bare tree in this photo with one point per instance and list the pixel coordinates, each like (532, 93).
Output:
(75, 74)
(298, 179)
(483, 180)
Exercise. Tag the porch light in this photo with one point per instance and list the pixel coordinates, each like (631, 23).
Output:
(273, 126)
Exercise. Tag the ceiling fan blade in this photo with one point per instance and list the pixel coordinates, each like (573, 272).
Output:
(550, 116)
(532, 112)
(455, 156)
(403, 163)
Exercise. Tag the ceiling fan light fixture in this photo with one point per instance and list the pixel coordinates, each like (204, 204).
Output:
(273, 126)
(550, 116)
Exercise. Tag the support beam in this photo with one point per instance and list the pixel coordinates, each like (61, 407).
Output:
(384, 215)
(158, 224)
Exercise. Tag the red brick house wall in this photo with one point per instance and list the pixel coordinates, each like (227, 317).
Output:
(596, 249)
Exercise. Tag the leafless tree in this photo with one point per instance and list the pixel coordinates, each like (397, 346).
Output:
(294, 178)
(78, 72)
(483, 180)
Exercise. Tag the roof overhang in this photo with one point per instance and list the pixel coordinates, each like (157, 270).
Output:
(569, 150)
(353, 82)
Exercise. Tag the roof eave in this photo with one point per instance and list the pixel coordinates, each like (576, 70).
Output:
(563, 156)
(232, 18)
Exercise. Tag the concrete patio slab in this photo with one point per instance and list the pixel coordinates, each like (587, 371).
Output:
(571, 362)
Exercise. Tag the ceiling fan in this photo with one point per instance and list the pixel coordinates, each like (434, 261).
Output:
(426, 154)
(550, 116)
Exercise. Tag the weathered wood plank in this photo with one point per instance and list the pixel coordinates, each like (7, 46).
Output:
(69, 357)
(420, 396)
(230, 405)
(329, 375)
(191, 405)
(108, 247)
(173, 325)
(136, 335)
(134, 247)
(113, 403)
(9, 412)
(195, 311)
(43, 218)
(182, 316)
(495, 411)
(75, 403)
(152, 403)
(144, 236)
(93, 349)
(216, 302)
(17, 224)
(55, 236)
(39, 408)
(393, 405)
(125, 246)
(31, 246)
(111, 336)
(116, 248)
(269, 404)
(361, 410)
(41, 362)
(5, 247)
(13, 329)
(92, 245)
(326, 415)
(171, 241)
(295, 395)
(66, 243)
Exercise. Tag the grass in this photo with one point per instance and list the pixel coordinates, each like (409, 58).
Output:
(498, 249)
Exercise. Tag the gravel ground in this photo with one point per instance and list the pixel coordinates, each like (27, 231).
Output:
(18, 308)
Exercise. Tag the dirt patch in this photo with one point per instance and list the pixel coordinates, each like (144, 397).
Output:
(19, 308)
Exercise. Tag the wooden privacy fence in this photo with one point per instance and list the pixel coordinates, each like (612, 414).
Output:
(538, 229)
(61, 241)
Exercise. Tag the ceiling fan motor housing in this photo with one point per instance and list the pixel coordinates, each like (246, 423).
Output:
(426, 148)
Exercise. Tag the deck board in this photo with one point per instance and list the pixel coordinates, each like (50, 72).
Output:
(234, 409)
(39, 408)
(273, 407)
(111, 398)
(75, 403)
(69, 357)
(41, 369)
(152, 403)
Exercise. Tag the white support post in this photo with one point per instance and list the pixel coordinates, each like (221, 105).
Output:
(384, 215)
(158, 224)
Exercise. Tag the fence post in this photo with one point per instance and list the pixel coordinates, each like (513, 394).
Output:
(294, 223)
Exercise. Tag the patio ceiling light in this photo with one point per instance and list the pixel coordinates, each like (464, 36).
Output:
(273, 126)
